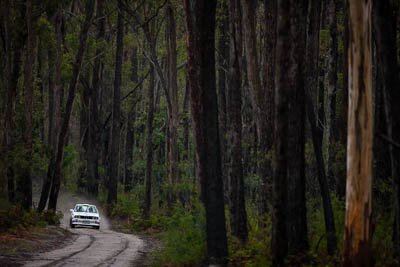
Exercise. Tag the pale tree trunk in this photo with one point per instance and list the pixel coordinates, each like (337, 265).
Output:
(284, 53)
(200, 23)
(24, 183)
(357, 249)
(56, 167)
(116, 113)
(238, 216)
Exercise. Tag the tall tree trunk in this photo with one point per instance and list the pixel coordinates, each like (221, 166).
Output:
(260, 97)
(9, 113)
(54, 109)
(342, 124)
(200, 23)
(24, 183)
(56, 166)
(265, 168)
(332, 89)
(94, 128)
(116, 113)
(357, 249)
(385, 38)
(173, 95)
(186, 120)
(284, 54)
(149, 144)
(297, 223)
(238, 216)
(130, 128)
(312, 53)
(83, 134)
(223, 54)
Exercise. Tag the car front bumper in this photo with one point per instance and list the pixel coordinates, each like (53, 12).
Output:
(85, 222)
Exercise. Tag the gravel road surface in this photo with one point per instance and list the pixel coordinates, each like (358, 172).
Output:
(90, 247)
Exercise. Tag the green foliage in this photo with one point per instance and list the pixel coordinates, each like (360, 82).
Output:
(185, 239)
(256, 251)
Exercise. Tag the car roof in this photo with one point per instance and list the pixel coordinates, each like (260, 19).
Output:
(85, 205)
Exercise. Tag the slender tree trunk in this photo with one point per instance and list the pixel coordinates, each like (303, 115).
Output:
(83, 134)
(332, 89)
(9, 113)
(186, 121)
(149, 144)
(284, 54)
(385, 38)
(297, 223)
(56, 168)
(116, 113)
(223, 54)
(322, 180)
(173, 95)
(130, 130)
(238, 216)
(54, 109)
(260, 97)
(200, 23)
(94, 127)
(357, 249)
(24, 183)
(265, 167)
(312, 53)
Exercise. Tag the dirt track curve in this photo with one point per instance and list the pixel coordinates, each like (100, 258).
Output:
(90, 247)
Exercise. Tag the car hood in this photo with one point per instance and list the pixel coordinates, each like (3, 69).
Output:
(85, 214)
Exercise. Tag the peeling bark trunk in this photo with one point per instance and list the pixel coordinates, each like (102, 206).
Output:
(357, 250)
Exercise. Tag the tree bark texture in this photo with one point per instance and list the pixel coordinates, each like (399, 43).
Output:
(223, 54)
(116, 112)
(130, 127)
(54, 109)
(238, 216)
(62, 139)
(284, 52)
(173, 95)
(297, 219)
(93, 131)
(330, 125)
(24, 183)
(385, 38)
(357, 249)
(260, 96)
(200, 23)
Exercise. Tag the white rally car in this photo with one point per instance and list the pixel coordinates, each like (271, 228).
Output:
(85, 215)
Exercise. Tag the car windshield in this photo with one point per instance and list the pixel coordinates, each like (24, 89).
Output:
(86, 208)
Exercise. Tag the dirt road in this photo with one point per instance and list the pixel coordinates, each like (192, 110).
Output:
(90, 247)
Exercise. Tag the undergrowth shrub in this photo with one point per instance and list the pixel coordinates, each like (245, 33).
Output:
(184, 239)
(15, 219)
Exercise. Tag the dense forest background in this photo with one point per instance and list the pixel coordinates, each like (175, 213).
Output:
(225, 125)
